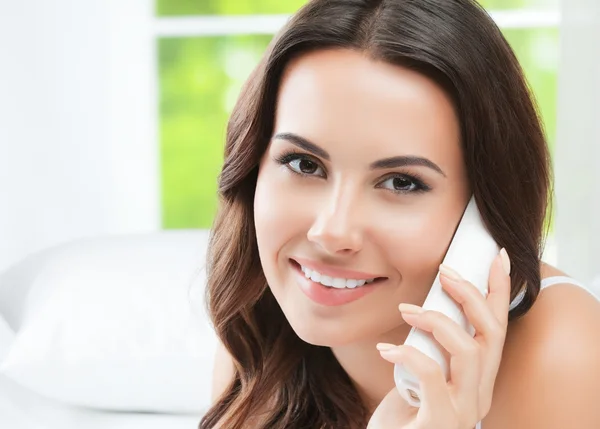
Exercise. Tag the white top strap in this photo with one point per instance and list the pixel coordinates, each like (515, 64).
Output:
(551, 281)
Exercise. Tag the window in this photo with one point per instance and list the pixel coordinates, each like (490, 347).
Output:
(207, 49)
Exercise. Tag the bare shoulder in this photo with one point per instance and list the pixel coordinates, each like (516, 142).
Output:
(550, 371)
(223, 372)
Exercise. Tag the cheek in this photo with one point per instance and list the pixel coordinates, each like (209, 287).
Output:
(417, 242)
(275, 218)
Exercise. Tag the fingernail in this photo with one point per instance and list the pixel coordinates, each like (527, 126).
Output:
(382, 347)
(410, 309)
(450, 273)
(393, 353)
(505, 261)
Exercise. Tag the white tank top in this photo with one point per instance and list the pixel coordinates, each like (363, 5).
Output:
(547, 282)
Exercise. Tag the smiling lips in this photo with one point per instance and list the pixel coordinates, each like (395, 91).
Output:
(326, 286)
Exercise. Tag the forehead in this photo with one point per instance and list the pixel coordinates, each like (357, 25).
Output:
(342, 97)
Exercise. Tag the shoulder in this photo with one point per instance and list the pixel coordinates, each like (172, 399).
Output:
(562, 312)
(562, 327)
(550, 371)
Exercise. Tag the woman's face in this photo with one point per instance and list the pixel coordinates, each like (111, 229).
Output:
(363, 179)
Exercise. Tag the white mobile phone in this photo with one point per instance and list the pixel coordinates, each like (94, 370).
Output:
(471, 253)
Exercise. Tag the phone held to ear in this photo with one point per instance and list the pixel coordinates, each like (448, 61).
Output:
(471, 254)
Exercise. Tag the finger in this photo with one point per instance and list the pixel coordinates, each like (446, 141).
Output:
(489, 319)
(435, 395)
(499, 303)
(499, 284)
(488, 329)
(489, 332)
(464, 351)
(446, 331)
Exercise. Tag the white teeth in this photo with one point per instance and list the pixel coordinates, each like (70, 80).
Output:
(326, 281)
(339, 283)
(351, 283)
(336, 282)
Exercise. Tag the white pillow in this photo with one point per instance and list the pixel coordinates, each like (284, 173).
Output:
(114, 323)
(6, 338)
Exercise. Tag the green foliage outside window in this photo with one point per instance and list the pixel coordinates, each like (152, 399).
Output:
(200, 79)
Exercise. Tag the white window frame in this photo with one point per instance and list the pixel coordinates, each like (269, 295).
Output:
(198, 26)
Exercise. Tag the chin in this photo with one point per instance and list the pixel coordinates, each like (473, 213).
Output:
(323, 337)
(329, 332)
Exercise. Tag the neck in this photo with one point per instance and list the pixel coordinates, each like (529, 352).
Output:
(372, 375)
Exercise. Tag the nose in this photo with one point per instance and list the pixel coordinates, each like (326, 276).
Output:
(336, 228)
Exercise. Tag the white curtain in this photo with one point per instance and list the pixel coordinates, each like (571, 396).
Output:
(78, 150)
(577, 156)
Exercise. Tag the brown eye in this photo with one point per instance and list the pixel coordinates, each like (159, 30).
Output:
(305, 166)
(402, 184)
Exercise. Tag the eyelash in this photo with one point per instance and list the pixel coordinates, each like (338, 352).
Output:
(287, 157)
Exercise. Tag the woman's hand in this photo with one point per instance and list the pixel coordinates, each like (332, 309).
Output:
(466, 397)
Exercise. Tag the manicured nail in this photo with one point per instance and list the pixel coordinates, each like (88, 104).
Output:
(450, 273)
(410, 309)
(382, 347)
(395, 353)
(505, 261)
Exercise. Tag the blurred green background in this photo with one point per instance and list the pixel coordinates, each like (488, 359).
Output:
(200, 78)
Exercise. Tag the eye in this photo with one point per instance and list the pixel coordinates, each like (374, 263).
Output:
(403, 184)
(302, 164)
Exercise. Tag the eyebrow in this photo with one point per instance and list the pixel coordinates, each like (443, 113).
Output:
(393, 162)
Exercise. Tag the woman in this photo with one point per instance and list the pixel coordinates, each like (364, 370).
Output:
(350, 157)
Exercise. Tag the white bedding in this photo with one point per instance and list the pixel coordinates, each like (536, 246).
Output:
(22, 409)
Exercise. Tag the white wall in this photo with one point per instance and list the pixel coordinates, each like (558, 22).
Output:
(577, 157)
(78, 145)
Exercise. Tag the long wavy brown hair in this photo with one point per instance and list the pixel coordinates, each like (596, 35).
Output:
(280, 381)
